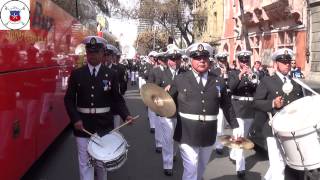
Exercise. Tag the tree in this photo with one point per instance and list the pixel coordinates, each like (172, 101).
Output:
(147, 40)
(170, 14)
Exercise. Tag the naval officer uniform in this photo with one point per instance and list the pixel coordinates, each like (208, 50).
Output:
(91, 96)
(198, 94)
(269, 89)
(168, 124)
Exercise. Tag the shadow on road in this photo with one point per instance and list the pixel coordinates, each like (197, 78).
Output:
(249, 176)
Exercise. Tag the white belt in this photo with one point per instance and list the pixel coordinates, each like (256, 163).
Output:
(242, 98)
(198, 117)
(93, 110)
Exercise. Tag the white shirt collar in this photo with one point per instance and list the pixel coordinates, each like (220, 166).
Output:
(161, 67)
(97, 67)
(204, 77)
(173, 71)
(281, 76)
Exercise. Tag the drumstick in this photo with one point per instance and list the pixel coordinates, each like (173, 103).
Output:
(93, 135)
(136, 117)
(89, 133)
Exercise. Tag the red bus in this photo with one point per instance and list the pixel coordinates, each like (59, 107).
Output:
(34, 68)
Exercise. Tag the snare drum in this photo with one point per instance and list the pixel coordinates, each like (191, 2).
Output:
(297, 129)
(109, 151)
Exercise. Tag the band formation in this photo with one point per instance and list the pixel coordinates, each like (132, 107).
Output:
(192, 94)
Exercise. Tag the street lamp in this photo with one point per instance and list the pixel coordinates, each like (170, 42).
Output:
(154, 37)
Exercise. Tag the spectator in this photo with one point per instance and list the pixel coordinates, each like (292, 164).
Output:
(296, 71)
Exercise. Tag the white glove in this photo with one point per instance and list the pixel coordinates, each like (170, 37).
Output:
(237, 133)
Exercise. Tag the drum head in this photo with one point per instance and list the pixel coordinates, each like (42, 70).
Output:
(113, 146)
(298, 115)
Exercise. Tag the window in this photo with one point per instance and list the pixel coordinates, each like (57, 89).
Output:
(286, 38)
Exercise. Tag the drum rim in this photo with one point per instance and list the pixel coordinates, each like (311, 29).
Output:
(125, 149)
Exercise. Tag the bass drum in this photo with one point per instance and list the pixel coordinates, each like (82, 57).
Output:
(297, 129)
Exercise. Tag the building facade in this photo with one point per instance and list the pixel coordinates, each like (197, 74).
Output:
(208, 20)
(314, 40)
(271, 24)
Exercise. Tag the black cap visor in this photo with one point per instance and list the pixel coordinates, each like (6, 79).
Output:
(108, 52)
(174, 57)
(94, 48)
(199, 54)
(244, 59)
(222, 59)
(284, 58)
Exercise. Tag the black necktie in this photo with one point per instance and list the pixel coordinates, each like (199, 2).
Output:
(200, 82)
(284, 80)
(93, 75)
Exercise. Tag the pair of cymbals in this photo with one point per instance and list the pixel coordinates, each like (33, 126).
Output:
(239, 143)
(158, 100)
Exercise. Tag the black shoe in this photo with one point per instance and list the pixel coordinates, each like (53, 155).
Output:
(219, 151)
(241, 174)
(168, 172)
(158, 150)
(152, 130)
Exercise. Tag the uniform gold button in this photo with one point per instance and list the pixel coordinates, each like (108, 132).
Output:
(245, 82)
(288, 102)
(202, 101)
(201, 92)
(92, 95)
(92, 104)
(92, 87)
(204, 110)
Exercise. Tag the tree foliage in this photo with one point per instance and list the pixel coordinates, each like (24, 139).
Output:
(148, 40)
(170, 14)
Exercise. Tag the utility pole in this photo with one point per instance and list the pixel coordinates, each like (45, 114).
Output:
(244, 27)
(77, 14)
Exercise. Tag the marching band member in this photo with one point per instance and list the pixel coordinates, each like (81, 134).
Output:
(198, 94)
(134, 72)
(144, 66)
(151, 79)
(221, 69)
(242, 89)
(112, 62)
(168, 125)
(92, 92)
(270, 97)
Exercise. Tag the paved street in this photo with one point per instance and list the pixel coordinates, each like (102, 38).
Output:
(143, 163)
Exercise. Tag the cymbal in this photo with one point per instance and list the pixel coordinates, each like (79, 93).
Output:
(240, 143)
(158, 100)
